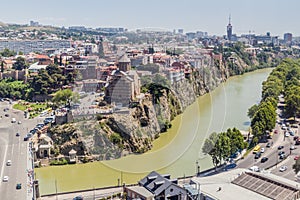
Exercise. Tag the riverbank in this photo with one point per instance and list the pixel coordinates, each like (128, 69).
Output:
(177, 150)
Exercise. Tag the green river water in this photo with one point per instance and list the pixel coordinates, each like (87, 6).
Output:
(174, 152)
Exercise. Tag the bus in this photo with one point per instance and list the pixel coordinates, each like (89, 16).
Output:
(256, 149)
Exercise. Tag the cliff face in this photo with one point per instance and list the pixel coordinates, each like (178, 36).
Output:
(133, 130)
(154, 113)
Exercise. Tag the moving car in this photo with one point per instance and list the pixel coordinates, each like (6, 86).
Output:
(257, 156)
(5, 178)
(254, 168)
(262, 150)
(283, 168)
(8, 163)
(13, 120)
(268, 145)
(296, 157)
(264, 159)
(78, 198)
(17, 134)
(280, 147)
(18, 186)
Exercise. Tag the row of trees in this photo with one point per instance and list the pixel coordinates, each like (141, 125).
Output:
(284, 79)
(220, 146)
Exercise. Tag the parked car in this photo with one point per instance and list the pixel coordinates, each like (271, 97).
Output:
(262, 150)
(17, 134)
(268, 145)
(264, 159)
(296, 157)
(280, 153)
(283, 168)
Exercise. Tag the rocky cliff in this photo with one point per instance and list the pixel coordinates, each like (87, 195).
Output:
(133, 130)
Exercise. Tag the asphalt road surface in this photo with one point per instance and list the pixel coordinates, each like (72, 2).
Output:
(14, 148)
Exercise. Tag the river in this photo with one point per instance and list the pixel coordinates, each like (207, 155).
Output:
(174, 152)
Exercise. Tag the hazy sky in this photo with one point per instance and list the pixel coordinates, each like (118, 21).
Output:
(258, 16)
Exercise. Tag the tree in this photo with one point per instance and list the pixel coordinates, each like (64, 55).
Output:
(296, 166)
(252, 110)
(7, 53)
(209, 148)
(62, 97)
(20, 63)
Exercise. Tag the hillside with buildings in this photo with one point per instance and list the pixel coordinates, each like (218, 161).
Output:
(129, 86)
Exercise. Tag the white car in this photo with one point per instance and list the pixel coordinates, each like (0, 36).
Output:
(254, 168)
(283, 168)
(287, 134)
(8, 163)
(5, 178)
(262, 150)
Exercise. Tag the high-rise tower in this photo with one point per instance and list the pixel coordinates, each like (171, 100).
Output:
(229, 29)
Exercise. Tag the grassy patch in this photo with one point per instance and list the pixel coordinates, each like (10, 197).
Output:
(34, 109)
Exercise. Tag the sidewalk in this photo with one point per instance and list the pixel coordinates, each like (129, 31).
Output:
(30, 174)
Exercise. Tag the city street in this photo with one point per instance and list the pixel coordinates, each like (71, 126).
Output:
(274, 163)
(14, 148)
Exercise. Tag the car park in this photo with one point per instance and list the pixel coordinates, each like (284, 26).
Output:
(283, 168)
(264, 159)
(5, 179)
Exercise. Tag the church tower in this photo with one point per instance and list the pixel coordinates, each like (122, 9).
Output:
(229, 29)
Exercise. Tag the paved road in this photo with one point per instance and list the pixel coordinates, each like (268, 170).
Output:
(14, 148)
(89, 195)
(272, 153)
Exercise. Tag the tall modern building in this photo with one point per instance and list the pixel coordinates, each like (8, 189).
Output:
(229, 29)
(287, 37)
